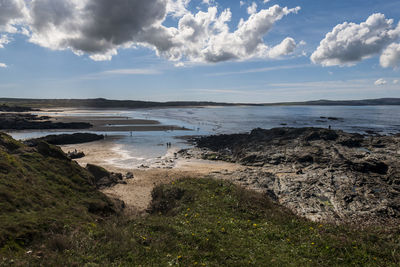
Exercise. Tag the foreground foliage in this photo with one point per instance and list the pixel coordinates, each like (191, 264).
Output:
(42, 191)
(206, 222)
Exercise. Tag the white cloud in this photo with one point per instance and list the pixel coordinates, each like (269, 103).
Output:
(395, 81)
(286, 47)
(99, 28)
(380, 82)
(242, 3)
(252, 9)
(391, 56)
(2, 65)
(208, 2)
(349, 43)
(207, 37)
(4, 39)
(178, 8)
(266, 1)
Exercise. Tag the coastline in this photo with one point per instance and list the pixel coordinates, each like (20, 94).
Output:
(319, 174)
(136, 193)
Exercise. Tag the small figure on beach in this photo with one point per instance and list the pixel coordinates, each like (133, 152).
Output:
(330, 128)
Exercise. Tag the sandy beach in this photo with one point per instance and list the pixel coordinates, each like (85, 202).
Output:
(137, 192)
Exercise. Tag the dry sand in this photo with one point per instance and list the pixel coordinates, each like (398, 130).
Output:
(137, 192)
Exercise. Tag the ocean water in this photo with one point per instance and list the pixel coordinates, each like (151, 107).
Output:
(145, 147)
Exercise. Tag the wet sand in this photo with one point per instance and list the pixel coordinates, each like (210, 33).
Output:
(137, 192)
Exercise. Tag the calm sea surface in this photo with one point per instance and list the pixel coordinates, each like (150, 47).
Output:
(146, 146)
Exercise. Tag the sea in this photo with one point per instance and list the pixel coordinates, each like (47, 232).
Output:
(136, 148)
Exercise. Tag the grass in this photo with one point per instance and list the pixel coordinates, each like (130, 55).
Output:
(205, 222)
(40, 194)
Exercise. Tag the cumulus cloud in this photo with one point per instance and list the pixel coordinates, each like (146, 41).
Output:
(252, 9)
(286, 47)
(2, 65)
(349, 43)
(100, 28)
(391, 56)
(96, 27)
(12, 12)
(380, 82)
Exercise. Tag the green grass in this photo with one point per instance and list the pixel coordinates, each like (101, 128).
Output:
(41, 194)
(204, 222)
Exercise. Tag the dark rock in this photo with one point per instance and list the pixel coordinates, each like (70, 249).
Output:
(117, 176)
(322, 134)
(17, 121)
(97, 171)
(51, 151)
(75, 155)
(352, 142)
(305, 159)
(321, 174)
(129, 175)
(67, 139)
(103, 178)
(372, 166)
(5, 108)
(333, 118)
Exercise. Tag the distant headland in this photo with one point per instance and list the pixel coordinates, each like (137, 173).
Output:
(133, 104)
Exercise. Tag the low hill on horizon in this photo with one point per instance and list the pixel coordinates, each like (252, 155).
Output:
(108, 103)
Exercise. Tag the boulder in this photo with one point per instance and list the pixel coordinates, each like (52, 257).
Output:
(129, 175)
(103, 178)
(51, 151)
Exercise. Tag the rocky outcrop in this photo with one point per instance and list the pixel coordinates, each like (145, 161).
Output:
(5, 108)
(17, 121)
(51, 151)
(66, 139)
(321, 174)
(75, 154)
(103, 178)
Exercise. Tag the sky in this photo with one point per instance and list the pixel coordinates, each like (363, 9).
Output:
(259, 51)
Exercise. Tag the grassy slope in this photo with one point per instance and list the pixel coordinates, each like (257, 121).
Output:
(212, 223)
(42, 194)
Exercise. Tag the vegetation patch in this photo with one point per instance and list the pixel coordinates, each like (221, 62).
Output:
(42, 192)
(205, 222)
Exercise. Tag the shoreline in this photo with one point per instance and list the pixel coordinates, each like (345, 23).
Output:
(136, 193)
(322, 175)
(64, 120)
